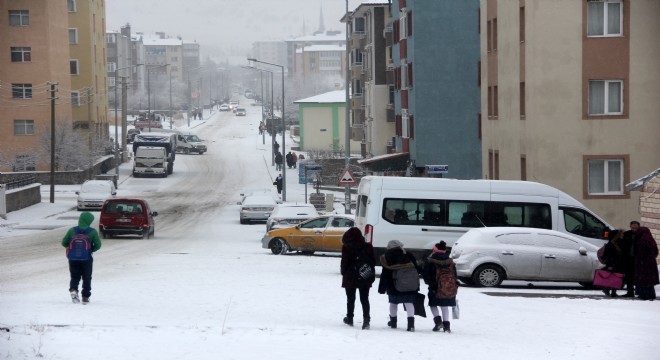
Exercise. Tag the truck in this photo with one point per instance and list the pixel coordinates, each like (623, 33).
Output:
(150, 160)
(187, 142)
(167, 141)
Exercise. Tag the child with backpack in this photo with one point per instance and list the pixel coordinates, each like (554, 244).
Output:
(440, 276)
(400, 279)
(80, 242)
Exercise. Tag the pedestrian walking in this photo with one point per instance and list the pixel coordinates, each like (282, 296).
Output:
(400, 280)
(289, 160)
(278, 183)
(294, 158)
(355, 254)
(646, 267)
(278, 161)
(440, 276)
(80, 242)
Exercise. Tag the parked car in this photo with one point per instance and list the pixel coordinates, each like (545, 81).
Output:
(487, 256)
(224, 107)
(127, 217)
(322, 233)
(256, 208)
(130, 135)
(290, 214)
(240, 111)
(93, 193)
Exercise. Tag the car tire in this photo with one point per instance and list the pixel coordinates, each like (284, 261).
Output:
(307, 252)
(243, 222)
(186, 151)
(466, 280)
(488, 275)
(104, 235)
(278, 246)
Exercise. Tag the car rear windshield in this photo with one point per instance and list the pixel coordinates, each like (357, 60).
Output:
(124, 207)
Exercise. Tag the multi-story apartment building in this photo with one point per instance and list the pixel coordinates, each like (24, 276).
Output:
(372, 98)
(570, 97)
(270, 51)
(322, 60)
(119, 53)
(294, 60)
(435, 60)
(191, 60)
(87, 58)
(36, 46)
(163, 61)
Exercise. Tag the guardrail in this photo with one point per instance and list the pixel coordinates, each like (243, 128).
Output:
(21, 181)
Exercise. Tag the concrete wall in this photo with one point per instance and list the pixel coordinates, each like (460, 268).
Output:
(23, 197)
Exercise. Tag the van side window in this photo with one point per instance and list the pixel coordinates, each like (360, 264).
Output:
(414, 212)
(582, 223)
(362, 206)
(466, 213)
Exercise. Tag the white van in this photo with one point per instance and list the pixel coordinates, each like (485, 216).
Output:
(422, 211)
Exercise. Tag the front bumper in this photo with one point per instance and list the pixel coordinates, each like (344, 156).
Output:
(265, 241)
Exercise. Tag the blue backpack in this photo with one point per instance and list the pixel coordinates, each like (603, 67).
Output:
(80, 246)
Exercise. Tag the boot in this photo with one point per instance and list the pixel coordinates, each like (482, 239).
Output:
(85, 300)
(445, 327)
(613, 293)
(392, 322)
(438, 323)
(348, 320)
(365, 323)
(606, 292)
(74, 296)
(411, 324)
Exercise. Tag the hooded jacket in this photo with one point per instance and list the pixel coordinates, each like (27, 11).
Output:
(354, 246)
(84, 221)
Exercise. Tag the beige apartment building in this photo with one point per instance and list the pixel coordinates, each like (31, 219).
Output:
(570, 97)
(87, 58)
(35, 56)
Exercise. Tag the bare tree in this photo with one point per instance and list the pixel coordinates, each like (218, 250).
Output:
(71, 148)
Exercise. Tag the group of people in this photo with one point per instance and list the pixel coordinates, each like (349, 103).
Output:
(633, 253)
(439, 274)
(291, 158)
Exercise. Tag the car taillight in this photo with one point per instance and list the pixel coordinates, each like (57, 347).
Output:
(369, 233)
(145, 225)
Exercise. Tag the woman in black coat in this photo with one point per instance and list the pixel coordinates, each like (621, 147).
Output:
(395, 259)
(614, 257)
(354, 248)
(440, 261)
(646, 267)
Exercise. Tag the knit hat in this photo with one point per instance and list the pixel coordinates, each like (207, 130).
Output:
(394, 244)
(440, 247)
(352, 235)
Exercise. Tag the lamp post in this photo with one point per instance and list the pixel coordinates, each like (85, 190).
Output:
(347, 190)
(283, 122)
(149, 90)
(188, 69)
(273, 132)
(116, 123)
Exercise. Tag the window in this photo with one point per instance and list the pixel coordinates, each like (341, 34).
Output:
(19, 17)
(522, 100)
(403, 26)
(494, 35)
(21, 91)
(494, 164)
(112, 67)
(604, 18)
(23, 127)
(75, 98)
(404, 75)
(21, 54)
(359, 25)
(582, 223)
(405, 128)
(25, 163)
(357, 87)
(72, 5)
(523, 167)
(605, 176)
(357, 56)
(522, 24)
(605, 97)
(73, 36)
(73, 67)
(111, 38)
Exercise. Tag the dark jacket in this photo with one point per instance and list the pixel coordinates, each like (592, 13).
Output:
(627, 245)
(646, 252)
(392, 260)
(429, 272)
(614, 257)
(354, 246)
(84, 221)
(278, 158)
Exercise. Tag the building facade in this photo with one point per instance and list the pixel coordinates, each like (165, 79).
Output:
(436, 91)
(270, 51)
(35, 42)
(294, 46)
(570, 97)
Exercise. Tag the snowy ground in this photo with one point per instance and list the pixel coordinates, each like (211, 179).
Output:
(204, 288)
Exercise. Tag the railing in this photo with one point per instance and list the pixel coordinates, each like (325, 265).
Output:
(21, 181)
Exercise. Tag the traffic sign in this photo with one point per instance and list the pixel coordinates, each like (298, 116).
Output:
(347, 178)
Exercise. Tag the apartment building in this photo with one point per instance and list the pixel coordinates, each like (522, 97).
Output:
(88, 69)
(436, 91)
(164, 63)
(293, 47)
(328, 61)
(119, 55)
(270, 51)
(372, 98)
(34, 40)
(570, 97)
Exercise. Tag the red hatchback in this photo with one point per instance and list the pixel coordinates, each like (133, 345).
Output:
(127, 217)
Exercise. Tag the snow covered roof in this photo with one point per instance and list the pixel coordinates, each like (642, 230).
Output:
(161, 42)
(641, 181)
(337, 96)
(324, 48)
(319, 37)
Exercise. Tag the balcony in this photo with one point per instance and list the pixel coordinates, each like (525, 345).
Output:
(389, 111)
(356, 70)
(356, 40)
(389, 75)
(357, 132)
(356, 102)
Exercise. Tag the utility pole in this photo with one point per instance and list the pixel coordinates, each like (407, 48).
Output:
(89, 133)
(124, 110)
(347, 190)
(53, 90)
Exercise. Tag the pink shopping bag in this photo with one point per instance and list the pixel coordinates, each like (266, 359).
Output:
(608, 279)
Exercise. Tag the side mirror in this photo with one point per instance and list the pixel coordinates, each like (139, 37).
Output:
(114, 193)
(582, 251)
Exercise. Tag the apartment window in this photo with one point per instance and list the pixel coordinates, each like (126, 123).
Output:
(73, 67)
(21, 91)
(495, 101)
(72, 5)
(75, 98)
(410, 75)
(25, 163)
(404, 75)
(111, 38)
(73, 36)
(523, 167)
(112, 66)
(522, 100)
(359, 25)
(19, 17)
(405, 124)
(490, 102)
(605, 176)
(357, 87)
(605, 97)
(403, 26)
(357, 56)
(489, 35)
(522, 24)
(604, 17)
(174, 58)
(23, 127)
(410, 24)
(494, 164)
(391, 92)
(494, 34)
(21, 54)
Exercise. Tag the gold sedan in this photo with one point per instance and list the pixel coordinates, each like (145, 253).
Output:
(323, 233)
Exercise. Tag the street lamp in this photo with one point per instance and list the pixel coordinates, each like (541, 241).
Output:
(347, 190)
(116, 123)
(187, 70)
(272, 130)
(149, 90)
(283, 122)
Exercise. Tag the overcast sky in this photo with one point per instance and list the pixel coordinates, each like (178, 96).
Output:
(226, 27)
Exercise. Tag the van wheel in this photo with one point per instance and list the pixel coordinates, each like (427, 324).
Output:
(488, 275)
(278, 246)
(186, 151)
